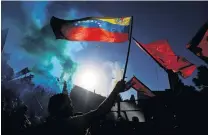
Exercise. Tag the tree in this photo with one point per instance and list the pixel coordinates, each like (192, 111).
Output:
(181, 88)
(201, 80)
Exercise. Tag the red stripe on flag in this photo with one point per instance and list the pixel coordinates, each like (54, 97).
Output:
(93, 34)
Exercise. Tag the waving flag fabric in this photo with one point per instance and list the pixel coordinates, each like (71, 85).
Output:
(186, 72)
(199, 44)
(161, 51)
(139, 86)
(163, 54)
(100, 29)
(182, 66)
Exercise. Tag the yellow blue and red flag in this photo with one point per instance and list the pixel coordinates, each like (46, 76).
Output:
(102, 29)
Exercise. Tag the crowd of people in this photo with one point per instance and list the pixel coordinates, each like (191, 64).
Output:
(36, 110)
(15, 114)
(56, 116)
(16, 117)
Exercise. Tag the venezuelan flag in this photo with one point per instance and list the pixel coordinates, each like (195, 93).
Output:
(114, 30)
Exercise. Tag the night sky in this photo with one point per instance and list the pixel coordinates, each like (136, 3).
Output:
(177, 22)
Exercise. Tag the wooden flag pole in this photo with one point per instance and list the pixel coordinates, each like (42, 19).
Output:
(171, 75)
(126, 64)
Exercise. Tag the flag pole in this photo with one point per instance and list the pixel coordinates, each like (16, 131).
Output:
(129, 47)
(126, 64)
(172, 77)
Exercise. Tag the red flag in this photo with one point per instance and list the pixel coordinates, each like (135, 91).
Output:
(183, 66)
(139, 86)
(199, 44)
(162, 53)
(186, 72)
(100, 29)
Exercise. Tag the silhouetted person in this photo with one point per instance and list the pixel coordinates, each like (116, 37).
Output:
(135, 119)
(5, 118)
(62, 121)
(19, 119)
(132, 99)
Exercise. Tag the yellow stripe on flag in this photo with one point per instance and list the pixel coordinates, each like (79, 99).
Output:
(120, 21)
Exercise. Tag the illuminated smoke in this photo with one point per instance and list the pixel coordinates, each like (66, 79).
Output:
(53, 65)
(51, 61)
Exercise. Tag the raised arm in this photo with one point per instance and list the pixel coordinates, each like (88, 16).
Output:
(86, 119)
(107, 104)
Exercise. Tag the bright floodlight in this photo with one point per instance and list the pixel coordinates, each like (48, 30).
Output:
(92, 77)
(88, 80)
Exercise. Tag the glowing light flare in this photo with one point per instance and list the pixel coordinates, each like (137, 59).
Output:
(88, 80)
(90, 77)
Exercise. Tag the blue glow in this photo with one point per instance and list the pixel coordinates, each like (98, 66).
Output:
(57, 68)
(36, 12)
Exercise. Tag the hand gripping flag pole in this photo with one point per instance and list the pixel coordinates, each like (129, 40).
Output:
(126, 64)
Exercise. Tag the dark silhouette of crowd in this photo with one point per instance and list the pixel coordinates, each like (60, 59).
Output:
(182, 111)
(61, 116)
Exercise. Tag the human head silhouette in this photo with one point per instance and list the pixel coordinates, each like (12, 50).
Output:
(135, 119)
(60, 106)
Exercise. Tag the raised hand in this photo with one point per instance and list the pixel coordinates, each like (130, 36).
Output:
(120, 86)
